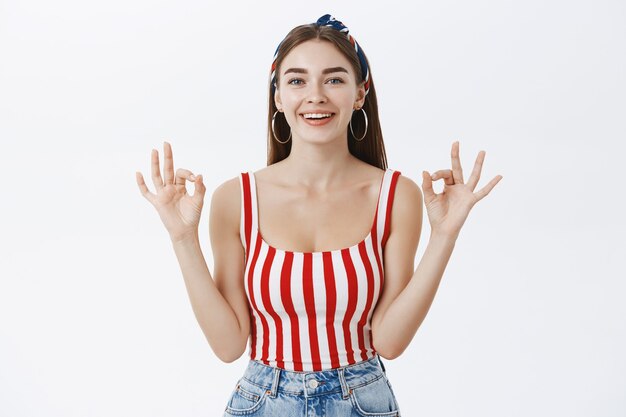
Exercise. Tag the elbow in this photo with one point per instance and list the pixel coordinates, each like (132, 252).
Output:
(231, 354)
(388, 356)
(228, 359)
(388, 352)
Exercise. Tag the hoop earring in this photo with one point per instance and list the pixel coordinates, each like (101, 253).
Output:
(274, 133)
(353, 135)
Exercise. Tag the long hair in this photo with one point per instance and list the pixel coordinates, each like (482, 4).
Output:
(372, 148)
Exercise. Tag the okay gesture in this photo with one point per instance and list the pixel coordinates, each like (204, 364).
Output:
(447, 211)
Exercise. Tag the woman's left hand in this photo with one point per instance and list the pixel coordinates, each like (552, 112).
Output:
(447, 211)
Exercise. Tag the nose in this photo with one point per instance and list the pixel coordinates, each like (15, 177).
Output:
(316, 94)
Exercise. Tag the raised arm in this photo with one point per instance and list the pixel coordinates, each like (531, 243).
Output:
(220, 305)
(407, 294)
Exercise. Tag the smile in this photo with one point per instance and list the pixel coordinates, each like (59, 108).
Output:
(317, 119)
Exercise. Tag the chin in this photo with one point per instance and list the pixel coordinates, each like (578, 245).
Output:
(319, 138)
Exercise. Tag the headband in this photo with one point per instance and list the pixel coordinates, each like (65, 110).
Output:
(328, 20)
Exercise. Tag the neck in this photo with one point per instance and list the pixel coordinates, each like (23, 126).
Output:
(319, 165)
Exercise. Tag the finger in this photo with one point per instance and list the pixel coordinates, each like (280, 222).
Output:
(168, 163)
(143, 188)
(446, 174)
(456, 164)
(156, 170)
(427, 187)
(487, 188)
(199, 189)
(478, 166)
(182, 175)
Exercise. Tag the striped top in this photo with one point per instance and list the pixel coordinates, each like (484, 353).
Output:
(311, 311)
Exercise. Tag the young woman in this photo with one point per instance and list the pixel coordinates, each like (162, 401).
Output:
(314, 253)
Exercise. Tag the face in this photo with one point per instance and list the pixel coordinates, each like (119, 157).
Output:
(316, 78)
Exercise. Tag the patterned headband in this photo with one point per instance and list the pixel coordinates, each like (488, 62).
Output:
(328, 20)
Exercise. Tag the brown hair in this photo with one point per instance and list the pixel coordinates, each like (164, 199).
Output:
(372, 148)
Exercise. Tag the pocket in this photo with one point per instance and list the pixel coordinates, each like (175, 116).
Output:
(245, 399)
(375, 399)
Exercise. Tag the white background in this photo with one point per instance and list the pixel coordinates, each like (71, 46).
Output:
(94, 315)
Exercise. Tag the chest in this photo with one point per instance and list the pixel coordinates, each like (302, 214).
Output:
(305, 221)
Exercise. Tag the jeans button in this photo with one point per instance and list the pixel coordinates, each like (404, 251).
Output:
(313, 383)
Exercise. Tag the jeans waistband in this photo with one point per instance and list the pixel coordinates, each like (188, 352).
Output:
(315, 383)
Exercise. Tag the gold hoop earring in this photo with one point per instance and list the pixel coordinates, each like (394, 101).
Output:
(353, 135)
(274, 133)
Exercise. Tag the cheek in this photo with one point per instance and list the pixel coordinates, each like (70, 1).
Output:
(345, 99)
(291, 100)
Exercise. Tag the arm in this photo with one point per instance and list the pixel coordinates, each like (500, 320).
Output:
(407, 294)
(405, 304)
(219, 303)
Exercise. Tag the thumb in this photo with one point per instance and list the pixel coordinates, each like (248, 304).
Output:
(199, 189)
(427, 186)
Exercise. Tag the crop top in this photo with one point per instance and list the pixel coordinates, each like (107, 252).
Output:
(311, 311)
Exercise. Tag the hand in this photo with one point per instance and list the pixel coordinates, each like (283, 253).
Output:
(179, 211)
(447, 211)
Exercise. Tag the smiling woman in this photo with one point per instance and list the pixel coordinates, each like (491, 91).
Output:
(314, 253)
(324, 55)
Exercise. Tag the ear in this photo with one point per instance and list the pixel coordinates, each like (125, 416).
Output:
(360, 95)
(277, 100)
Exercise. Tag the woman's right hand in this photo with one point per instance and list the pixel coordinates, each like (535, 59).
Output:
(179, 211)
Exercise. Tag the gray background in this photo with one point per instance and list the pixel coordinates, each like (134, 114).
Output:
(94, 315)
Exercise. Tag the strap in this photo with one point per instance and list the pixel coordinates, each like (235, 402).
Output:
(383, 211)
(248, 222)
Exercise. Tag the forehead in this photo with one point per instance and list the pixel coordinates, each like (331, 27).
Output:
(315, 55)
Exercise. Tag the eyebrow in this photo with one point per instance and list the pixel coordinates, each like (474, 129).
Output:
(325, 71)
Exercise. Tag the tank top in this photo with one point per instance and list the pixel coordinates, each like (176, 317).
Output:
(311, 311)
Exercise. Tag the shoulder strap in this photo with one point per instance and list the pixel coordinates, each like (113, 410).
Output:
(248, 222)
(383, 211)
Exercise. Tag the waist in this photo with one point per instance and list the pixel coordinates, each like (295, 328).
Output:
(342, 379)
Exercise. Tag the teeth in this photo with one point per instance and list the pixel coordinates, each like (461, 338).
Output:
(316, 115)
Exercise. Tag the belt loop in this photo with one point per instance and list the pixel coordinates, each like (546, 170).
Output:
(274, 389)
(345, 390)
(381, 364)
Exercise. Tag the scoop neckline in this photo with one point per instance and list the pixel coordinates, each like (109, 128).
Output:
(295, 252)
(366, 238)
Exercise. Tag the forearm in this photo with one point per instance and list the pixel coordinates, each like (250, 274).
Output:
(406, 313)
(214, 314)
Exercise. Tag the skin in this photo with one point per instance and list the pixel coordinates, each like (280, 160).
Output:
(319, 198)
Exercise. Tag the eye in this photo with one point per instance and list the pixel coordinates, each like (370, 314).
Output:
(299, 81)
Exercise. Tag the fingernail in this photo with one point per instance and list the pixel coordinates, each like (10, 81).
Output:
(192, 177)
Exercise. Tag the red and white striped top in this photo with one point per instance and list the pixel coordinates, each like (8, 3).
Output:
(311, 311)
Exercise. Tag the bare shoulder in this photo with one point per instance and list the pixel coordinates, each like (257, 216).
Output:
(226, 203)
(228, 190)
(408, 192)
(407, 203)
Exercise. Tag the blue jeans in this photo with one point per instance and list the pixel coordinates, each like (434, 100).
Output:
(361, 390)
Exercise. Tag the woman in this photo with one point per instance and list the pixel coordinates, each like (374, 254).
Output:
(288, 273)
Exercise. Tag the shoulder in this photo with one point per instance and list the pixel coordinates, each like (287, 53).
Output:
(226, 202)
(228, 192)
(408, 190)
(407, 201)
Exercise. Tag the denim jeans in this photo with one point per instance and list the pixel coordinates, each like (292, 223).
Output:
(358, 390)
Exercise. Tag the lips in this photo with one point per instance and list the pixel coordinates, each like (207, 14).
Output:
(318, 122)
